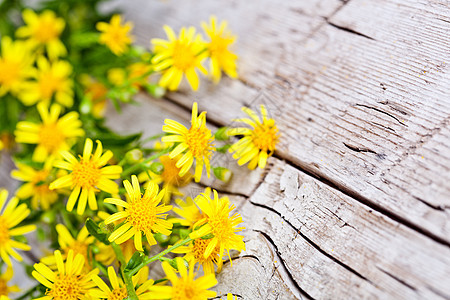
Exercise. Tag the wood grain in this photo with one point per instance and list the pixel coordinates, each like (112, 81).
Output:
(360, 90)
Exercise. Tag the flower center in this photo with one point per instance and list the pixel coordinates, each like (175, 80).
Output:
(199, 249)
(3, 287)
(142, 215)
(46, 31)
(67, 287)
(9, 72)
(219, 45)
(184, 289)
(51, 137)
(49, 84)
(199, 141)
(86, 174)
(4, 232)
(170, 173)
(265, 136)
(118, 294)
(222, 227)
(183, 56)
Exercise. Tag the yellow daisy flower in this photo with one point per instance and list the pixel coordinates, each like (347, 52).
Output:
(107, 255)
(69, 281)
(195, 252)
(88, 175)
(221, 57)
(119, 290)
(52, 79)
(196, 143)
(67, 242)
(11, 216)
(15, 66)
(52, 135)
(43, 30)
(170, 177)
(219, 223)
(96, 91)
(137, 73)
(142, 213)
(178, 56)
(188, 211)
(258, 143)
(185, 287)
(5, 289)
(36, 185)
(115, 35)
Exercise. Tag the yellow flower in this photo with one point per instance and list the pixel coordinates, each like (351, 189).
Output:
(138, 73)
(53, 135)
(36, 185)
(195, 252)
(11, 216)
(221, 57)
(68, 243)
(219, 223)
(178, 56)
(69, 281)
(4, 288)
(52, 79)
(43, 30)
(170, 177)
(185, 287)
(142, 213)
(188, 211)
(107, 254)
(196, 143)
(15, 66)
(88, 175)
(258, 143)
(115, 35)
(96, 92)
(116, 76)
(119, 290)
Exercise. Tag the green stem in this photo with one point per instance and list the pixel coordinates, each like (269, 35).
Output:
(159, 256)
(136, 167)
(126, 277)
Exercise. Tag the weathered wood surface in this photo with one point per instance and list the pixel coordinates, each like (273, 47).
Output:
(356, 202)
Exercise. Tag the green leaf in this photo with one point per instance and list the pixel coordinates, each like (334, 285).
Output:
(96, 231)
(134, 261)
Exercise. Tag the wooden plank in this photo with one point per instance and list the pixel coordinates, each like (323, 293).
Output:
(331, 245)
(369, 252)
(359, 109)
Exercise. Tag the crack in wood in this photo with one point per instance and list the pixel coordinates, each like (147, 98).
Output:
(346, 29)
(397, 279)
(383, 112)
(225, 295)
(294, 282)
(244, 256)
(314, 245)
(358, 149)
(440, 208)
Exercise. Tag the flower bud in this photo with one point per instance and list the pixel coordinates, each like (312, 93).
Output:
(133, 156)
(222, 173)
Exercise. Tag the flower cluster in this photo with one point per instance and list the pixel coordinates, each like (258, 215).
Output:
(106, 206)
